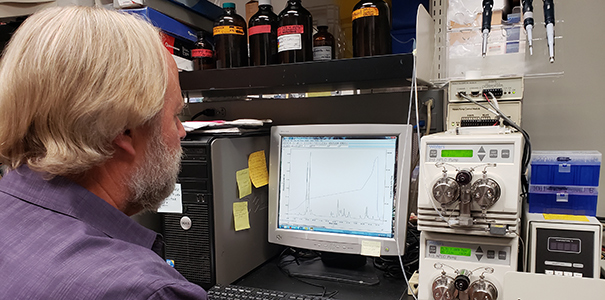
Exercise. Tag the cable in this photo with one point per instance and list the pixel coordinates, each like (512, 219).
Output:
(209, 112)
(463, 95)
(527, 146)
(415, 88)
(297, 256)
(523, 253)
(408, 263)
(415, 91)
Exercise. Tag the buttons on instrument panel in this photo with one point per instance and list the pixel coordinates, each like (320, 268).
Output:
(481, 153)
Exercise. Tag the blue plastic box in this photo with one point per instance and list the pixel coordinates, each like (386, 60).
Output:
(166, 23)
(564, 182)
(579, 168)
(568, 200)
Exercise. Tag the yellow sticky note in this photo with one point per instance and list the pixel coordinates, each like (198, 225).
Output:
(565, 217)
(243, 183)
(370, 248)
(258, 168)
(240, 215)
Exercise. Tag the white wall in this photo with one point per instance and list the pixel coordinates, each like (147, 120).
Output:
(567, 112)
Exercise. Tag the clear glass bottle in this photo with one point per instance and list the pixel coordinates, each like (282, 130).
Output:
(295, 33)
(371, 28)
(262, 32)
(203, 54)
(230, 34)
(323, 44)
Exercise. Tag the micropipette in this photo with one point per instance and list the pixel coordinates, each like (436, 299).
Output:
(549, 20)
(487, 23)
(528, 22)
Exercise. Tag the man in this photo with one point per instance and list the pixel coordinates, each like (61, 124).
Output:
(89, 130)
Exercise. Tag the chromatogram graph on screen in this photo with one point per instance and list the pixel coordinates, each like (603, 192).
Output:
(339, 186)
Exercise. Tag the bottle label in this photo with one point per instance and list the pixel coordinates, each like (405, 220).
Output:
(365, 12)
(289, 42)
(322, 53)
(290, 29)
(202, 53)
(237, 30)
(259, 29)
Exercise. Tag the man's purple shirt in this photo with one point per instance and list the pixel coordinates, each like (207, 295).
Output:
(60, 241)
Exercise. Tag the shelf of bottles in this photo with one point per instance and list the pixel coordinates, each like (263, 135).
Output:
(286, 58)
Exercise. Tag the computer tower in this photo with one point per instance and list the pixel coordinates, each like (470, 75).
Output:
(202, 241)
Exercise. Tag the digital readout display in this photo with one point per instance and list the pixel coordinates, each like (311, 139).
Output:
(457, 153)
(455, 251)
(564, 245)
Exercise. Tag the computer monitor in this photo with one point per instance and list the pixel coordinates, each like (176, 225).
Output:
(340, 188)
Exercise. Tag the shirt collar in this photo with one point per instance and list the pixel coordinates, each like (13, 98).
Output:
(66, 197)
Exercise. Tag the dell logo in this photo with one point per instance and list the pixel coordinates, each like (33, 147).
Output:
(185, 223)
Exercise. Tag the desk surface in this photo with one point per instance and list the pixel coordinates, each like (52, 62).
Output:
(269, 276)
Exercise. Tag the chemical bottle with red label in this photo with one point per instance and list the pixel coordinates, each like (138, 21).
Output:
(230, 35)
(371, 28)
(295, 33)
(323, 42)
(203, 54)
(262, 32)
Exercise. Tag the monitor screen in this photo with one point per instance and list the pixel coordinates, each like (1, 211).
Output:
(340, 188)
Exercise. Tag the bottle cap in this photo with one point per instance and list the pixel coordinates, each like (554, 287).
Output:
(264, 2)
(228, 5)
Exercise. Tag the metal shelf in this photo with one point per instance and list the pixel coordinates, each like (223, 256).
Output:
(375, 72)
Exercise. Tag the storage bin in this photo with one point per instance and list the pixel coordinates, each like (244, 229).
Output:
(568, 200)
(577, 168)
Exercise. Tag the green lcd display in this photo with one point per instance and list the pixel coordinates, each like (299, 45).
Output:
(457, 153)
(455, 251)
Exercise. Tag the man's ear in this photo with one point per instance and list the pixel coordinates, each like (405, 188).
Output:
(125, 142)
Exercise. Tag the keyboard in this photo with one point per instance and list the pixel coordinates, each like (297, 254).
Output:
(234, 292)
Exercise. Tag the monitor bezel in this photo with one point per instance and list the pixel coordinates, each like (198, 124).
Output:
(336, 242)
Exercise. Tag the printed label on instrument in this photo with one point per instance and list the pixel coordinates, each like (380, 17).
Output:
(322, 53)
(290, 29)
(365, 12)
(289, 42)
(259, 29)
(202, 53)
(237, 30)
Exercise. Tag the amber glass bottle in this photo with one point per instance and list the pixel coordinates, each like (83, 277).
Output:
(371, 28)
(295, 33)
(323, 44)
(262, 32)
(203, 54)
(230, 39)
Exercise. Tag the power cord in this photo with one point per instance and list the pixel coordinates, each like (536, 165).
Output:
(527, 145)
(209, 112)
(391, 266)
(293, 255)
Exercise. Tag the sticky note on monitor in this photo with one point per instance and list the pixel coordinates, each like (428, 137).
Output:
(370, 248)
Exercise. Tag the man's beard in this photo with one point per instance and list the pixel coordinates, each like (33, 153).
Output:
(154, 180)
